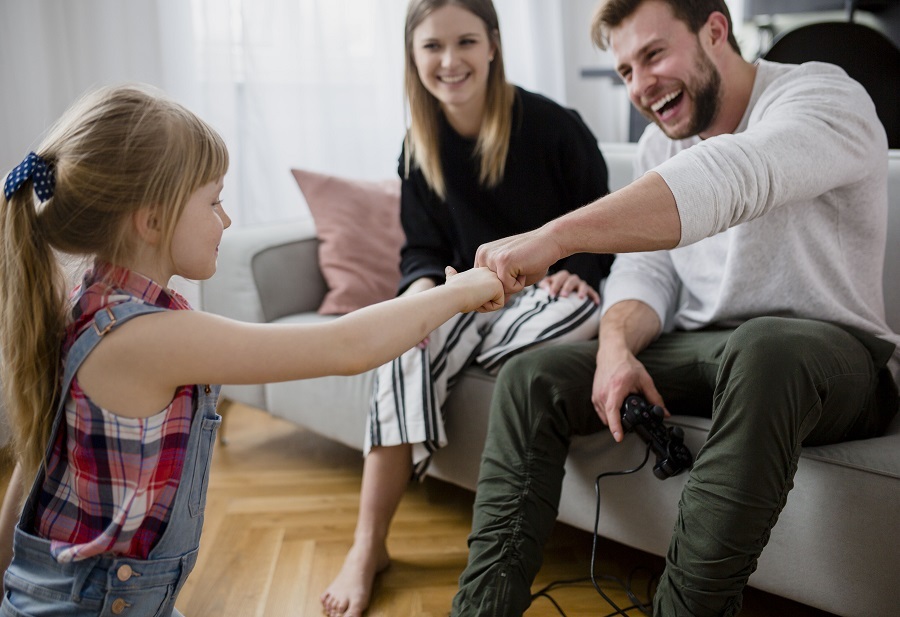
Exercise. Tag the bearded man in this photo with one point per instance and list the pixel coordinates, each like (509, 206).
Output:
(748, 288)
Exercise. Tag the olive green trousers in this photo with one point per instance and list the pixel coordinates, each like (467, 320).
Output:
(771, 385)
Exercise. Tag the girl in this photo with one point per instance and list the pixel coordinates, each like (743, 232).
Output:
(109, 393)
(482, 159)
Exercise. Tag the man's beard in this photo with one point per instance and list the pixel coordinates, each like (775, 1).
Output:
(705, 92)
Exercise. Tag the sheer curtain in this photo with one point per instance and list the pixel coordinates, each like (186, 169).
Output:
(315, 84)
(318, 84)
(51, 51)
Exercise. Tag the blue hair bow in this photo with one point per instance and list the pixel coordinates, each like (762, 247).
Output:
(32, 167)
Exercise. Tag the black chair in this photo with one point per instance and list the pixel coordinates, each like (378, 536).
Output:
(868, 56)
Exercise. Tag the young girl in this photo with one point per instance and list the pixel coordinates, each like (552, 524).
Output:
(110, 393)
(482, 159)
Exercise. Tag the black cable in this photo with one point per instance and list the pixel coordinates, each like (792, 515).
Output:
(626, 586)
(637, 603)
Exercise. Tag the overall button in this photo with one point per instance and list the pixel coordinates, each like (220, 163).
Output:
(118, 606)
(124, 573)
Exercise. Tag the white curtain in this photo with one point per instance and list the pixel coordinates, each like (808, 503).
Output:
(315, 84)
(51, 51)
(318, 84)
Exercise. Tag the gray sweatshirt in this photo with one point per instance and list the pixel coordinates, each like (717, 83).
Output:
(786, 216)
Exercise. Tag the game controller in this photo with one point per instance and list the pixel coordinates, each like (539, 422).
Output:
(672, 456)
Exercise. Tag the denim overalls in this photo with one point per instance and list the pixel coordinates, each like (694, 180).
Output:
(107, 586)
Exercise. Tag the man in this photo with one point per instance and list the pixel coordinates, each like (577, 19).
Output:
(763, 203)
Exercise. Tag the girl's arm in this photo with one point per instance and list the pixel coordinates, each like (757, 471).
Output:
(9, 515)
(150, 356)
(419, 285)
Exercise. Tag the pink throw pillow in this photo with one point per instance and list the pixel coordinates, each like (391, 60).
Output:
(360, 237)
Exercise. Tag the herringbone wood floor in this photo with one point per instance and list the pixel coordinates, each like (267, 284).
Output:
(280, 513)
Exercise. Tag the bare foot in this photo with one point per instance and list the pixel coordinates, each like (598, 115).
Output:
(349, 593)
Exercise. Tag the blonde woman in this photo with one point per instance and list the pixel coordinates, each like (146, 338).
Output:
(482, 159)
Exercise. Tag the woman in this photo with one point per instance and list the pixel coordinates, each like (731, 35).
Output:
(482, 159)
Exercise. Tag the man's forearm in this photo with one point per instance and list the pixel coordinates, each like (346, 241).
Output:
(639, 217)
(629, 326)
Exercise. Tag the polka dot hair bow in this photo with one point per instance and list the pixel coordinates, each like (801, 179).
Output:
(33, 167)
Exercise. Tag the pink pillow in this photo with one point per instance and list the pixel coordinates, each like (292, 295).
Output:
(358, 225)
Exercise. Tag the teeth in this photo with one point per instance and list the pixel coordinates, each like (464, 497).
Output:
(659, 104)
(452, 80)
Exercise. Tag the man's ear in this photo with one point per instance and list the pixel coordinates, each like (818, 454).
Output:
(715, 31)
(147, 223)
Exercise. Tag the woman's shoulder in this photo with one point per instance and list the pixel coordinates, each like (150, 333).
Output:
(543, 113)
(534, 101)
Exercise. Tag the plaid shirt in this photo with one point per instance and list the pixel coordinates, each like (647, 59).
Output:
(111, 480)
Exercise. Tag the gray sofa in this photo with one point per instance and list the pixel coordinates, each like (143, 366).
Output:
(836, 544)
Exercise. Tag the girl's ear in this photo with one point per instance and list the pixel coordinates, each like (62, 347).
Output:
(147, 224)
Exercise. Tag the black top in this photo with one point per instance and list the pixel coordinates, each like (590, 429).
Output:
(553, 166)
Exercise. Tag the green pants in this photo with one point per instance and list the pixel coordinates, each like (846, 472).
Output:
(772, 385)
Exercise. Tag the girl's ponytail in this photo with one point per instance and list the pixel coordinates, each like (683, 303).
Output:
(32, 319)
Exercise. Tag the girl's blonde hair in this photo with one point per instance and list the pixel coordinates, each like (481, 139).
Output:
(115, 151)
(422, 144)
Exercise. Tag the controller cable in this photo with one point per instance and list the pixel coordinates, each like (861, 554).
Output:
(637, 604)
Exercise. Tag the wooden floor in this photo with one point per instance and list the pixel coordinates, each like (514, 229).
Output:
(280, 513)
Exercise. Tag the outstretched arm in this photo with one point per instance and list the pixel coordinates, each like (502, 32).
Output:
(9, 515)
(639, 217)
(152, 355)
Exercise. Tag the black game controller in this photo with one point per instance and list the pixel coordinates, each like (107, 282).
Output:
(672, 456)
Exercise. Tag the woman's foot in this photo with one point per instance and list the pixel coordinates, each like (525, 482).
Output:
(349, 593)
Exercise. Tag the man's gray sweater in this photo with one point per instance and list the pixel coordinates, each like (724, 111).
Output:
(787, 216)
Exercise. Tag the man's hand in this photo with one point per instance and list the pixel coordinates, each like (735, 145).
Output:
(616, 378)
(564, 284)
(626, 329)
(521, 260)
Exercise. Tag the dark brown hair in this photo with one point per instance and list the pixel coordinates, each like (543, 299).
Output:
(611, 13)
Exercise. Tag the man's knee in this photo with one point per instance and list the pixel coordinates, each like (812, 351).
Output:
(551, 383)
(774, 348)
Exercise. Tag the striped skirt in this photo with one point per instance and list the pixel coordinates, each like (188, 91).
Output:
(410, 391)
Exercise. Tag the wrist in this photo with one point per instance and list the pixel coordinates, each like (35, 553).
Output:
(555, 234)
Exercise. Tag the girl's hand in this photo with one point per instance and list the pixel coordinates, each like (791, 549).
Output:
(564, 283)
(485, 290)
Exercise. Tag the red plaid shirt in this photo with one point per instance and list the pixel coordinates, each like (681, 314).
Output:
(111, 480)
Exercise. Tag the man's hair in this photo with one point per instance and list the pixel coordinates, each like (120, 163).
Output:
(694, 13)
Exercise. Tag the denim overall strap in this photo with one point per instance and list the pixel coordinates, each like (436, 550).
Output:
(105, 320)
(108, 586)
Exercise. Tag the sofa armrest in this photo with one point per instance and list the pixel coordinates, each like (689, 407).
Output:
(266, 272)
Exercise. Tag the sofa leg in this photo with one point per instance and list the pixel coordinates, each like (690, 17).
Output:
(222, 408)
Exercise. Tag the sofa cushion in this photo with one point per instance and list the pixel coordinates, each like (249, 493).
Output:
(358, 225)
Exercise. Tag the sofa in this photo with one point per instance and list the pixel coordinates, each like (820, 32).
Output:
(835, 545)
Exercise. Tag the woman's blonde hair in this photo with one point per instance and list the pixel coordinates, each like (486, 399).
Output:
(115, 151)
(422, 144)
